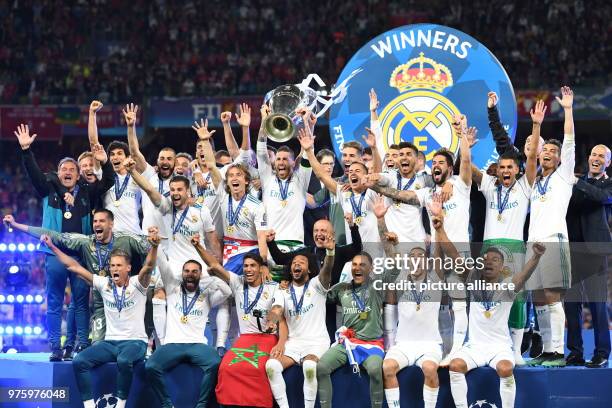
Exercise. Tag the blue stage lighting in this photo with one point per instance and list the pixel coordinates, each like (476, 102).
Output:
(2, 298)
(8, 329)
(1, 330)
(39, 299)
(13, 269)
(29, 298)
(37, 330)
(19, 330)
(31, 247)
(12, 247)
(12, 350)
(3, 247)
(21, 247)
(10, 298)
(19, 298)
(27, 330)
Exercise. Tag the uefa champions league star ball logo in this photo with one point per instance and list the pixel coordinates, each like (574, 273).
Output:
(423, 75)
(106, 401)
(483, 404)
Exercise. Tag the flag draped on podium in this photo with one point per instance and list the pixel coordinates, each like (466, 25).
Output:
(358, 350)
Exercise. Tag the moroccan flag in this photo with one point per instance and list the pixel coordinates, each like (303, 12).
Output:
(242, 376)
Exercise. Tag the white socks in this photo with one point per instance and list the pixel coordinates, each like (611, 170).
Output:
(393, 397)
(274, 370)
(557, 327)
(430, 396)
(458, 389)
(223, 323)
(390, 318)
(544, 320)
(159, 318)
(309, 368)
(507, 391)
(89, 404)
(517, 341)
(461, 324)
(120, 403)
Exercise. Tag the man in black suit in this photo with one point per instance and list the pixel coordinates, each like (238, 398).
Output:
(587, 224)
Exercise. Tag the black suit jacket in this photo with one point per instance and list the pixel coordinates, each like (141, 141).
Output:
(586, 214)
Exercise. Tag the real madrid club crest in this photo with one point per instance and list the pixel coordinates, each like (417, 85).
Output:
(423, 74)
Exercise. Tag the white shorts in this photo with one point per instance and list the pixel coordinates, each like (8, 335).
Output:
(482, 355)
(297, 349)
(415, 353)
(554, 269)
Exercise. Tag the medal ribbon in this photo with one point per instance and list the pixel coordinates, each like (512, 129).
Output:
(487, 301)
(360, 303)
(74, 194)
(201, 190)
(231, 215)
(284, 190)
(408, 184)
(161, 187)
(187, 308)
(501, 204)
(103, 262)
(180, 222)
(246, 306)
(119, 191)
(296, 304)
(417, 295)
(542, 189)
(357, 208)
(118, 301)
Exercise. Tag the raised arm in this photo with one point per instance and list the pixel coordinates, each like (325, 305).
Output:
(129, 115)
(437, 220)
(92, 125)
(143, 183)
(144, 276)
(537, 117)
(37, 177)
(228, 133)
(387, 238)
(503, 143)
(99, 187)
(70, 263)
(465, 153)
(596, 192)
(568, 149)
(373, 181)
(212, 242)
(244, 120)
(476, 175)
(205, 135)
(214, 267)
(307, 142)
(520, 278)
(325, 274)
(370, 140)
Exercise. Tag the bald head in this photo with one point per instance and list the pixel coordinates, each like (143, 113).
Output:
(599, 160)
(321, 230)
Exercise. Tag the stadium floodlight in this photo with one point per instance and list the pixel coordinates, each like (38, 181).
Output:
(39, 299)
(8, 329)
(13, 269)
(10, 298)
(27, 330)
(19, 330)
(12, 247)
(21, 247)
(12, 350)
(3, 247)
(31, 247)
(19, 298)
(29, 298)
(2, 298)
(37, 330)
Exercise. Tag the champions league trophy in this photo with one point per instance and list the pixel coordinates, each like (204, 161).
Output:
(283, 122)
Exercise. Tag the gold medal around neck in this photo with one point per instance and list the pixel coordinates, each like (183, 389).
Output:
(117, 203)
(184, 319)
(418, 307)
(487, 314)
(245, 317)
(543, 198)
(67, 215)
(283, 203)
(194, 218)
(200, 200)
(500, 218)
(230, 229)
(297, 317)
(363, 315)
(397, 204)
(102, 273)
(358, 220)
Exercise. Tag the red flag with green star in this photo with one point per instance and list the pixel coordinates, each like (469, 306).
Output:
(242, 376)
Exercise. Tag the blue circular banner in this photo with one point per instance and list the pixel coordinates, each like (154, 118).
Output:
(423, 74)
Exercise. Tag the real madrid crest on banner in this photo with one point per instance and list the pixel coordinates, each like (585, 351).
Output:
(423, 74)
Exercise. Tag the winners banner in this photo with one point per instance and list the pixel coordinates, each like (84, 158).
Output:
(423, 74)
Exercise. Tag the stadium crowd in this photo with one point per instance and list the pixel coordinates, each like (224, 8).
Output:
(69, 52)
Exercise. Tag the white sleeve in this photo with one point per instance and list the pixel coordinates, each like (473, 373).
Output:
(568, 158)
(423, 195)
(487, 183)
(207, 222)
(165, 270)
(99, 282)
(318, 286)
(461, 186)
(165, 205)
(98, 173)
(388, 179)
(260, 219)
(235, 283)
(263, 161)
(219, 292)
(279, 300)
(304, 174)
(149, 172)
(136, 282)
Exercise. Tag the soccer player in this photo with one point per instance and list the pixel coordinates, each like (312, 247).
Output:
(190, 299)
(93, 251)
(418, 340)
(161, 181)
(303, 306)
(67, 206)
(181, 164)
(507, 205)
(489, 343)
(124, 307)
(549, 201)
(254, 299)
